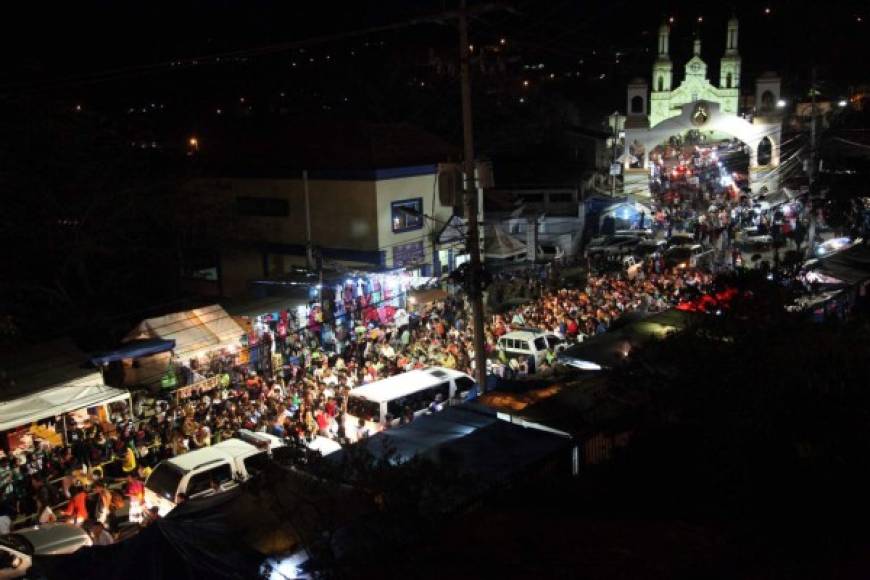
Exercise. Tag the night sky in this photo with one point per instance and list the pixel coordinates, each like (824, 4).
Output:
(89, 38)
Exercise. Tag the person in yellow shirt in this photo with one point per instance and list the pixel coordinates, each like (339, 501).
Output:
(129, 464)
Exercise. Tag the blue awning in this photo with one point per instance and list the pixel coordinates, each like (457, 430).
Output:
(135, 349)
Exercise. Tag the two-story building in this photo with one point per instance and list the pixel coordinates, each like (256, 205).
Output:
(381, 197)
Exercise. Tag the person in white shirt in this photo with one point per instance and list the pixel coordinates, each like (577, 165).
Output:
(101, 535)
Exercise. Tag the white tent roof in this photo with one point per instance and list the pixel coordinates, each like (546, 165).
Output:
(501, 245)
(85, 392)
(194, 331)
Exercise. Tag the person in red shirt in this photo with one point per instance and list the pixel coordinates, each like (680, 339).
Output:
(322, 422)
(77, 508)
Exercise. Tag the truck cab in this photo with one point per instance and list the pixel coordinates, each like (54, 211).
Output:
(209, 470)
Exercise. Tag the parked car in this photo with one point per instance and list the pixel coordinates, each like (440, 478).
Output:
(681, 239)
(611, 245)
(647, 248)
(687, 256)
(18, 548)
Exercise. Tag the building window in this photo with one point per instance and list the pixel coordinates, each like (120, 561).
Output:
(694, 97)
(637, 104)
(262, 207)
(728, 80)
(407, 215)
(661, 84)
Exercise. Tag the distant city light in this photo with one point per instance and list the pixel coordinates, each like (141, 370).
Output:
(219, 111)
(780, 104)
(671, 19)
(522, 99)
(193, 142)
(767, 10)
(525, 83)
(700, 19)
(78, 108)
(502, 41)
(470, 48)
(842, 103)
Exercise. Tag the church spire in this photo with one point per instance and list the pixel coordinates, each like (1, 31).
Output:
(664, 33)
(731, 38)
(696, 50)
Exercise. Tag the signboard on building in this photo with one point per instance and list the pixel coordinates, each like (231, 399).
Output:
(615, 168)
(408, 254)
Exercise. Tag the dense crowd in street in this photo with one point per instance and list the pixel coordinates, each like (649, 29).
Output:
(303, 398)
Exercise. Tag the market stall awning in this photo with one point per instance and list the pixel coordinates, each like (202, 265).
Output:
(135, 349)
(85, 392)
(194, 331)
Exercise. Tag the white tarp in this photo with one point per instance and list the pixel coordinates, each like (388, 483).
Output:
(500, 245)
(194, 331)
(88, 391)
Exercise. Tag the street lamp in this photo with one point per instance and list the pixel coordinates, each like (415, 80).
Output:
(842, 103)
(780, 104)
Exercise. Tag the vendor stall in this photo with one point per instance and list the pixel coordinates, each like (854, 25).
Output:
(47, 391)
(199, 335)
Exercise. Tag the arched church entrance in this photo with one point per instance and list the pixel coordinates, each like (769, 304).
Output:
(702, 124)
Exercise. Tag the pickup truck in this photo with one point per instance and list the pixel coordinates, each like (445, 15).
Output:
(209, 470)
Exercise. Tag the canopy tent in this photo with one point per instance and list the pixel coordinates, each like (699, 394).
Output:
(132, 350)
(80, 394)
(194, 331)
(851, 266)
(500, 245)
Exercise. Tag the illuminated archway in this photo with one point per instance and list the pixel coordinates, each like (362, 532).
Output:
(704, 117)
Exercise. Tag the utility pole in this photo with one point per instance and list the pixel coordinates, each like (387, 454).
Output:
(615, 135)
(470, 199)
(309, 257)
(811, 170)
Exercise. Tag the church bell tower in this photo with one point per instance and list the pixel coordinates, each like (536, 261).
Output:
(662, 78)
(729, 70)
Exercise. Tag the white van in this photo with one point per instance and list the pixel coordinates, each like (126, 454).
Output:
(532, 343)
(386, 400)
(209, 470)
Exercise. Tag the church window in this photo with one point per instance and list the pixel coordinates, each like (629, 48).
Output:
(637, 104)
(728, 80)
(661, 83)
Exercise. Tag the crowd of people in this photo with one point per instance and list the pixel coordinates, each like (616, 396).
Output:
(305, 396)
